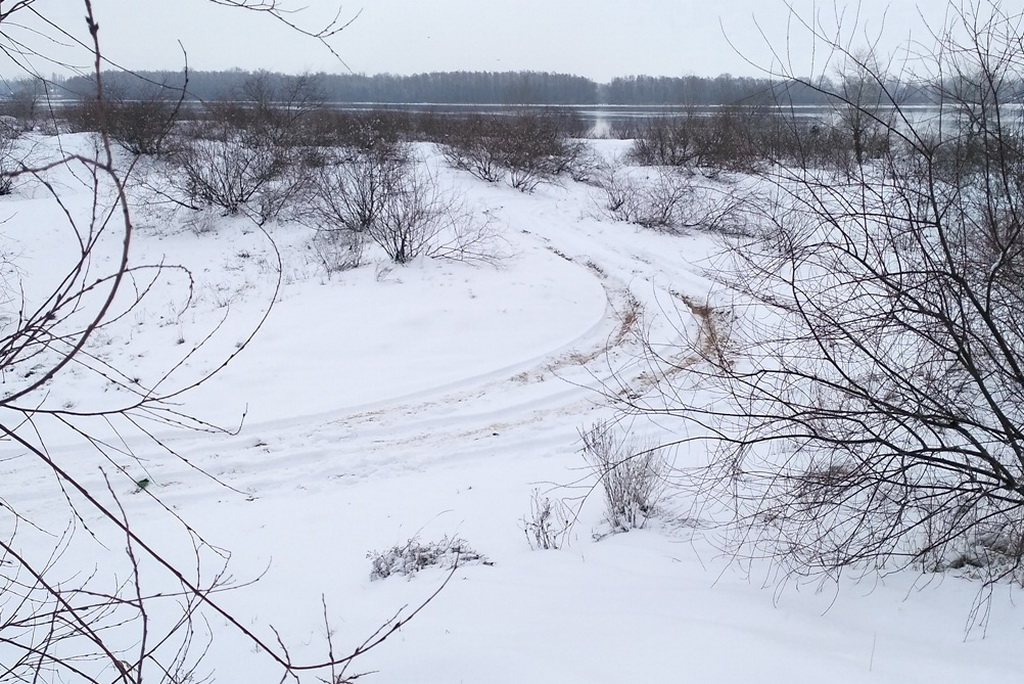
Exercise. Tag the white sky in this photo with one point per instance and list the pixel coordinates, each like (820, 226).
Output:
(595, 38)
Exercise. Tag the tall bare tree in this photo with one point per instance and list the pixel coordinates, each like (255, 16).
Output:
(861, 393)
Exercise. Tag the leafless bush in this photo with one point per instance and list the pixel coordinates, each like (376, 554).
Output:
(470, 147)
(668, 200)
(529, 148)
(648, 202)
(409, 558)
(871, 411)
(215, 166)
(671, 142)
(82, 117)
(337, 250)
(377, 132)
(748, 137)
(27, 102)
(138, 120)
(631, 475)
(581, 163)
(421, 219)
(140, 124)
(226, 173)
(246, 155)
(398, 205)
(141, 127)
(547, 523)
(10, 165)
(353, 189)
(535, 150)
(269, 110)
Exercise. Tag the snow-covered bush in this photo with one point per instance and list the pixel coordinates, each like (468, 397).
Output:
(666, 199)
(631, 475)
(337, 250)
(409, 558)
(651, 202)
(547, 523)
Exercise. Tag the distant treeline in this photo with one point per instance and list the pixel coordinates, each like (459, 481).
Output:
(459, 87)
(469, 88)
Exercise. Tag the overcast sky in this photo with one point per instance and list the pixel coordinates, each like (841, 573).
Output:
(600, 39)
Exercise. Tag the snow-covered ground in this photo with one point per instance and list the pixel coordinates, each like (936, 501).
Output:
(430, 400)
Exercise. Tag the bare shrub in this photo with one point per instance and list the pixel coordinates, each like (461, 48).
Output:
(460, 232)
(731, 138)
(547, 524)
(668, 200)
(247, 155)
(269, 110)
(409, 558)
(337, 250)
(648, 202)
(413, 218)
(26, 103)
(581, 163)
(529, 148)
(139, 121)
(82, 116)
(352, 189)
(375, 132)
(469, 146)
(226, 173)
(670, 142)
(387, 198)
(870, 411)
(535, 150)
(11, 166)
(141, 127)
(631, 474)
(213, 165)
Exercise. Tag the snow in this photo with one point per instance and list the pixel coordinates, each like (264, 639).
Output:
(389, 403)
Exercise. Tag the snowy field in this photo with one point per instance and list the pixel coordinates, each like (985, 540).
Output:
(431, 400)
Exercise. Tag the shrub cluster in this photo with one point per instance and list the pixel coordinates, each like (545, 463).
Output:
(245, 155)
(669, 200)
(383, 197)
(746, 138)
(527, 149)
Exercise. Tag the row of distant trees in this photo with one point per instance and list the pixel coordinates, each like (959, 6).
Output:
(462, 87)
(451, 87)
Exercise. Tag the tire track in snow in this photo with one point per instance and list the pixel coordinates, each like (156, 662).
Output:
(535, 404)
(466, 420)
